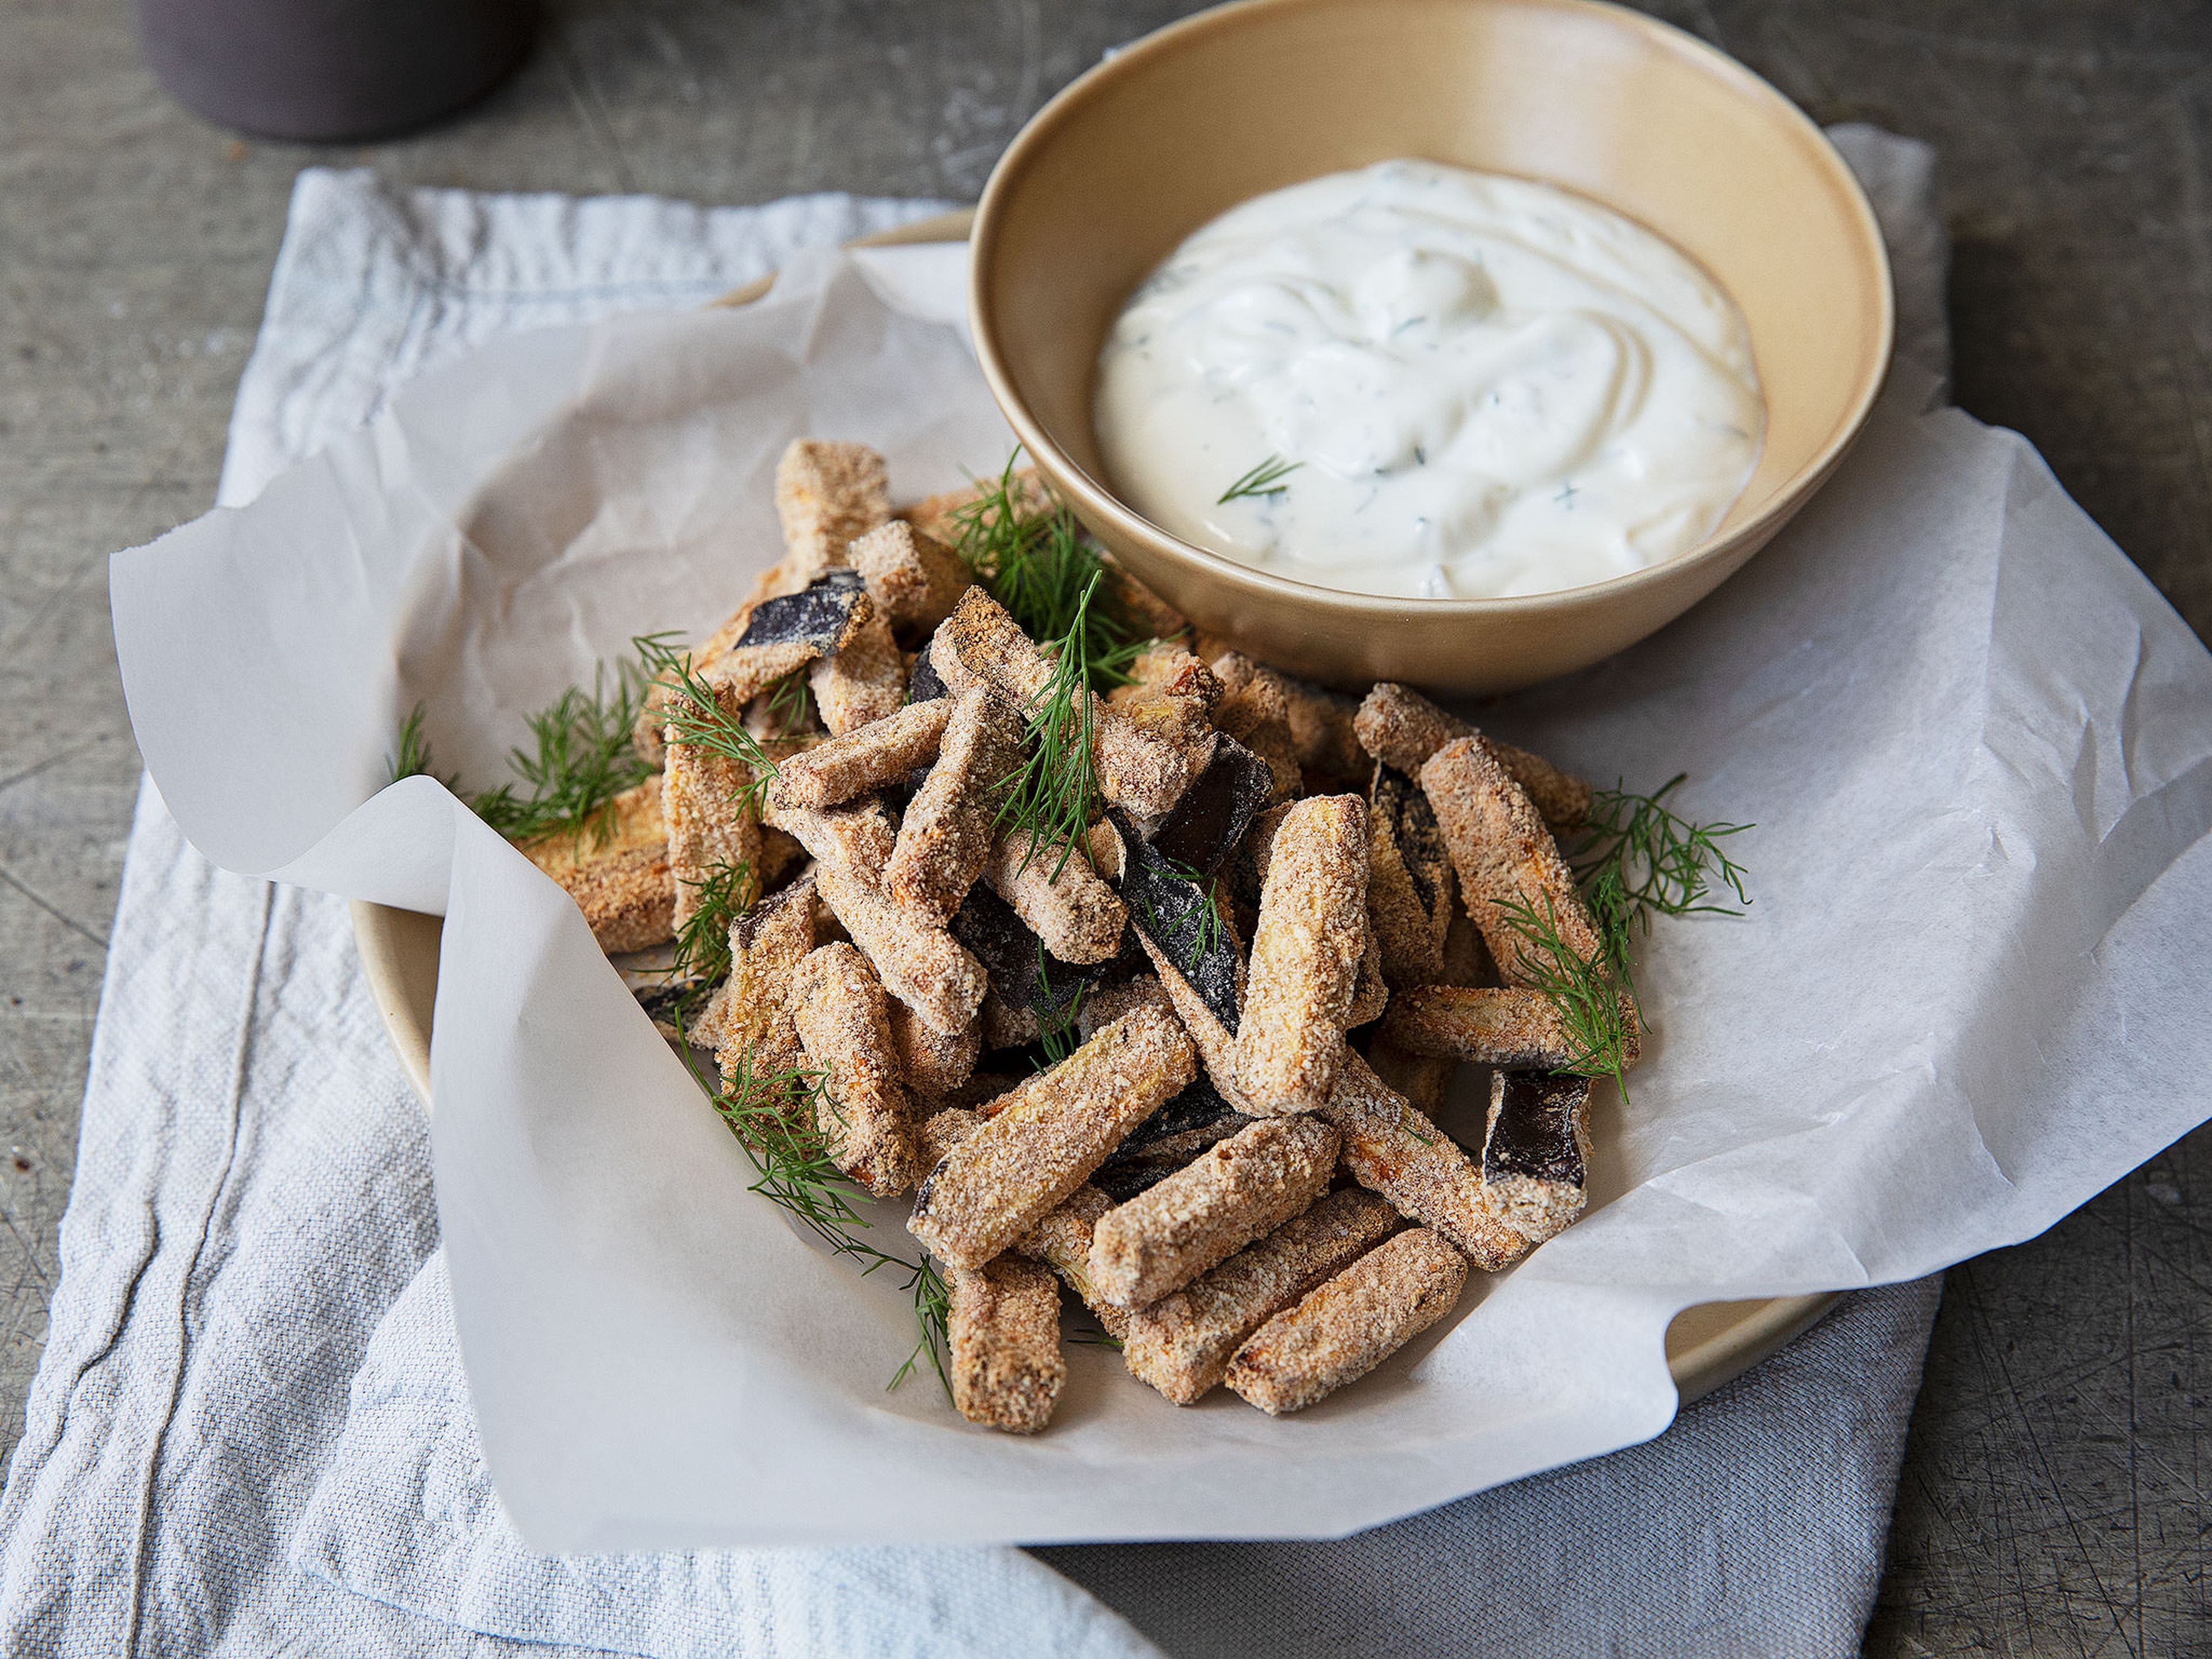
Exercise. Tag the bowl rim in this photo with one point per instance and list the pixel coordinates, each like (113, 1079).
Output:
(1095, 502)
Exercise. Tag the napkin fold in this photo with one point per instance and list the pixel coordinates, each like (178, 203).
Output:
(253, 1197)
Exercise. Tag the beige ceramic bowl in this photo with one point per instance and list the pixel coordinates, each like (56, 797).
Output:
(1144, 149)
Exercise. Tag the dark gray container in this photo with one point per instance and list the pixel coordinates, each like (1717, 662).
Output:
(333, 69)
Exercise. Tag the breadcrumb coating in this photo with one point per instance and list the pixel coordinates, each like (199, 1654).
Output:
(1305, 955)
(919, 963)
(622, 884)
(865, 759)
(767, 945)
(1061, 898)
(1182, 1343)
(826, 495)
(864, 682)
(711, 826)
(945, 837)
(915, 577)
(1401, 728)
(837, 1005)
(1237, 1190)
(1344, 1328)
(1491, 1027)
(1062, 1242)
(934, 1063)
(1047, 1137)
(1004, 1334)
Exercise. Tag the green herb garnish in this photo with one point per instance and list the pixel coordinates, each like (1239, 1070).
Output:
(412, 758)
(696, 716)
(1636, 857)
(1053, 794)
(1058, 1031)
(1038, 564)
(773, 1116)
(583, 758)
(726, 892)
(1265, 479)
(1587, 993)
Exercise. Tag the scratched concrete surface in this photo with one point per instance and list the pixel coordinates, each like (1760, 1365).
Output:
(2051, 1498)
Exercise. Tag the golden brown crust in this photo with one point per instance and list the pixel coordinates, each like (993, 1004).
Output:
(1004, 1334)
(712, 825)
(945, 837)
(826, 493)
(1107, 1004)
(918, 962)
(1170, 693)
(1503, 855)
(856, 839)
(837, 1005)
(622, 884)
(1392, 1149)
(915, 577)
(1305, 955)
(1491, 1027)
(1061, 899)
(1255, 709)
(941, 515)
(1047, 1137)
(943, 1130)
(1402, 729)
(1238, 1189)
(934, 1063)
(864, 682)
(1411, 940)
(767, 945)
(867, 758)
(1062, 1241)
(1182, 1343)
(1346, 1327)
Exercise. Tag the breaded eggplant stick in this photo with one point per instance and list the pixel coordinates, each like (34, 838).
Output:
(1172, 693)
(1256, 710)
(1371, 992)
(1535, 1152)
(1046, 1138)
(915, 579)
(1182, 1343)
(1491, 1027)
(1107, 1004)
(1151, 613)
(1344, 1328)
(860, 1110)
(1323, 738)
(713, 828)
(830, 773)
(767, 945)
(980, 644)
(864, 682)
(1216, 1045)
(1392, 1149)
(943, 1130)
(934, 1063)
(826, 495)
(948, 515)
(1062, 1242)
(1503, 855)
(622, 884)
(1401, 728)
(1305, 955)
(946, 838)
(1422, 1078)
(856, 839)
(1003, 1332)
(1410, 938)
(920, 965)
(1239, 1190)
(1062, 898)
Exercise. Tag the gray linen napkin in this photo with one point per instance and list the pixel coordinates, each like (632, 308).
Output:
(252, 1228)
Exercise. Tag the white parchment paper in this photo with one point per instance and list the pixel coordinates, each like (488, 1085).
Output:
(1976, 745)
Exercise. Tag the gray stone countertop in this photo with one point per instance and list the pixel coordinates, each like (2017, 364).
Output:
(2051, 1498)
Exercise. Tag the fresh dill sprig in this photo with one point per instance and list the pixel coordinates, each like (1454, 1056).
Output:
(1589, 994)
(582, 759)
(1206, 909)
(1035, 561)
(1636, 856)
(787, 702)
(726, 892)
(1058, 1031)
(773, 1116)
(1054, 793)
(696, 716)
(411, 759)
(1265, 479)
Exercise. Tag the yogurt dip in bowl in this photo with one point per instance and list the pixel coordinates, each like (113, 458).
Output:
(1715, 258)
(1417, 380)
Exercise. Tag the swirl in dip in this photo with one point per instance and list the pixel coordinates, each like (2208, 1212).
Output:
(1433, 383)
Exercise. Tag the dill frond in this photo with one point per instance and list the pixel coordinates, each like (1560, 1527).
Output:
(1204, 909)
(1589, 993)
(580, 759)
(1054, 793)
(696, 716)
(1636, 856)
(726, 892)
(1040, 565)
(772, 1115)
(1057, 1030)
(1265, 479)
(787, 702)
(411, 759)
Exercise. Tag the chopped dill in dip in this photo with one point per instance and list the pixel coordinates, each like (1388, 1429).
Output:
(1419, 380)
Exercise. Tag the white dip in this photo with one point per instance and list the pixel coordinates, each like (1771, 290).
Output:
(1482, 386)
